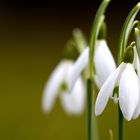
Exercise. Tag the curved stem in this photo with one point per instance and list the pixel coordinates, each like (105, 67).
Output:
(98, 21)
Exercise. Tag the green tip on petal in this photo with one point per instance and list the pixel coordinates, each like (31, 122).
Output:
(64, 87)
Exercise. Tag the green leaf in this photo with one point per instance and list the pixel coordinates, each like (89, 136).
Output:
(126, 30)
(137, 36)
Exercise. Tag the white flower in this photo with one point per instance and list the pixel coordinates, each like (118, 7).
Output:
(73, 103)
(128, 96)
(103, 61)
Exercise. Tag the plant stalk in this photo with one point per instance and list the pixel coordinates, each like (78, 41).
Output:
(91, 119)
(120, 124)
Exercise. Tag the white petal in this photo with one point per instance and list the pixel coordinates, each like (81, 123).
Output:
(128, 92)
(73, 103)
(136, 62)
(77, 68)
(137, 110)
(106, 90)
(51, 89)
(97, 81)
(104, 62)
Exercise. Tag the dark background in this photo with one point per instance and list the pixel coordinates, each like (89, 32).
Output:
(32, 37)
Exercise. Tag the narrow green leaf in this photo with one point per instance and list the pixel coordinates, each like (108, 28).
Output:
(126, 30)
(137, 36)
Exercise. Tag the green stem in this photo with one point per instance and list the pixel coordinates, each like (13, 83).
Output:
(91, 119)
(120, 124)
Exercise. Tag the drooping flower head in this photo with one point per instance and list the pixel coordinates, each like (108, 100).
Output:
(73, 103)
(103, 61)
(125, 80)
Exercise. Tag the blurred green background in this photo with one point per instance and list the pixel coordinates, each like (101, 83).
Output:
(32, 37)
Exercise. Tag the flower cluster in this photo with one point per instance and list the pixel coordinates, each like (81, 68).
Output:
(66, 80)
(122, 83)
(119, 81)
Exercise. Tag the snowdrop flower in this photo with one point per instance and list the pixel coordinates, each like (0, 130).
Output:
(73, 102)
(122, 86)
(103, 62)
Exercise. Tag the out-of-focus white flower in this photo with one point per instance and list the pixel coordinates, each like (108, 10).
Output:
(103, 62)
(126, 80)
(73, 103)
